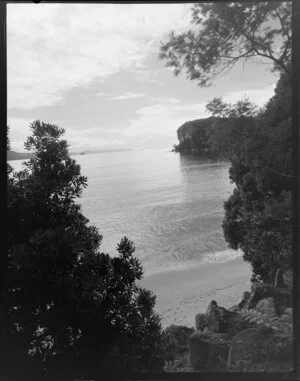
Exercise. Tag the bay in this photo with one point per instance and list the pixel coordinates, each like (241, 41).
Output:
(169, 204)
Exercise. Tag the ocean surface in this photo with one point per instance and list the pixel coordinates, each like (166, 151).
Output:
(170, 205)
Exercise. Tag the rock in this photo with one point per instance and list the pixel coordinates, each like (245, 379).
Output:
(266, 306)
(219, 319)
(249, 346)
(234, 308)
(200, 322)
(282, 296)
(208, 351)
(245, 298)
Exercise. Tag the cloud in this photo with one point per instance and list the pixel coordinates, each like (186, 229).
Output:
(54, 47)
(158, 123)
(146, 76)
(101, 94)
(93, 138)
(165, 100)
(128, 95)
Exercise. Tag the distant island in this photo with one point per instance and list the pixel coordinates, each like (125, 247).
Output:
(13, 155)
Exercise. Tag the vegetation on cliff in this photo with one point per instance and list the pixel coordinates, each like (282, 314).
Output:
(194, 136)
(258, 215)
(68, 304)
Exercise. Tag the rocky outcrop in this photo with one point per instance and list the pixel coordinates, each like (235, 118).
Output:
(258, 332)
(255, 335)
(219, 319)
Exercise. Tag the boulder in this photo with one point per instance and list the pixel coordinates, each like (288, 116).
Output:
(208, 351)
(234, 308)
(266, 306)
(219, 319)
(249, 347)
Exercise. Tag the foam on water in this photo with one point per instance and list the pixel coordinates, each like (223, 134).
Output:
(222, 256)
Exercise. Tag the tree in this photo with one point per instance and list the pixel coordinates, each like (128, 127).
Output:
(224, 33)
(69, 304)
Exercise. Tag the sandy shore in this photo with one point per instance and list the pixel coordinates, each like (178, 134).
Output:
(184, 292)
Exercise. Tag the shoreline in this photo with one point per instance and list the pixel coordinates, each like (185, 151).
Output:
(183, 292)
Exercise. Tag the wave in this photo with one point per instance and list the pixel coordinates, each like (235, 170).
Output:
(215, 257)
(222, 256)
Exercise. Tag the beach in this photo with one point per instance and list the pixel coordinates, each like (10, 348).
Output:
(184, 292)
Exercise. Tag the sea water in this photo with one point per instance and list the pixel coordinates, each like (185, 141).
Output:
(169, 204)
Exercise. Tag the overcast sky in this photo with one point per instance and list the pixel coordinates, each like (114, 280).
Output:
(94, 70)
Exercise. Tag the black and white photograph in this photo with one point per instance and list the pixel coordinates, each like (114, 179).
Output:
(149, 190)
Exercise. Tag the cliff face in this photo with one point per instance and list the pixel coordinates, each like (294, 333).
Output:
(193, 136)
(185, 131)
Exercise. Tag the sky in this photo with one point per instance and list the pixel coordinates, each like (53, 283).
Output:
(93, 69)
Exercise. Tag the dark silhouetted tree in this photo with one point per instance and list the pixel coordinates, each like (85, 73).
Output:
(69, 304)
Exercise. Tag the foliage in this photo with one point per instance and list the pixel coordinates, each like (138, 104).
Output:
(69, 304)
(223, 33)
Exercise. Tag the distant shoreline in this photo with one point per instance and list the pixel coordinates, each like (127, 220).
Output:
(100, 151)
(13, 155)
